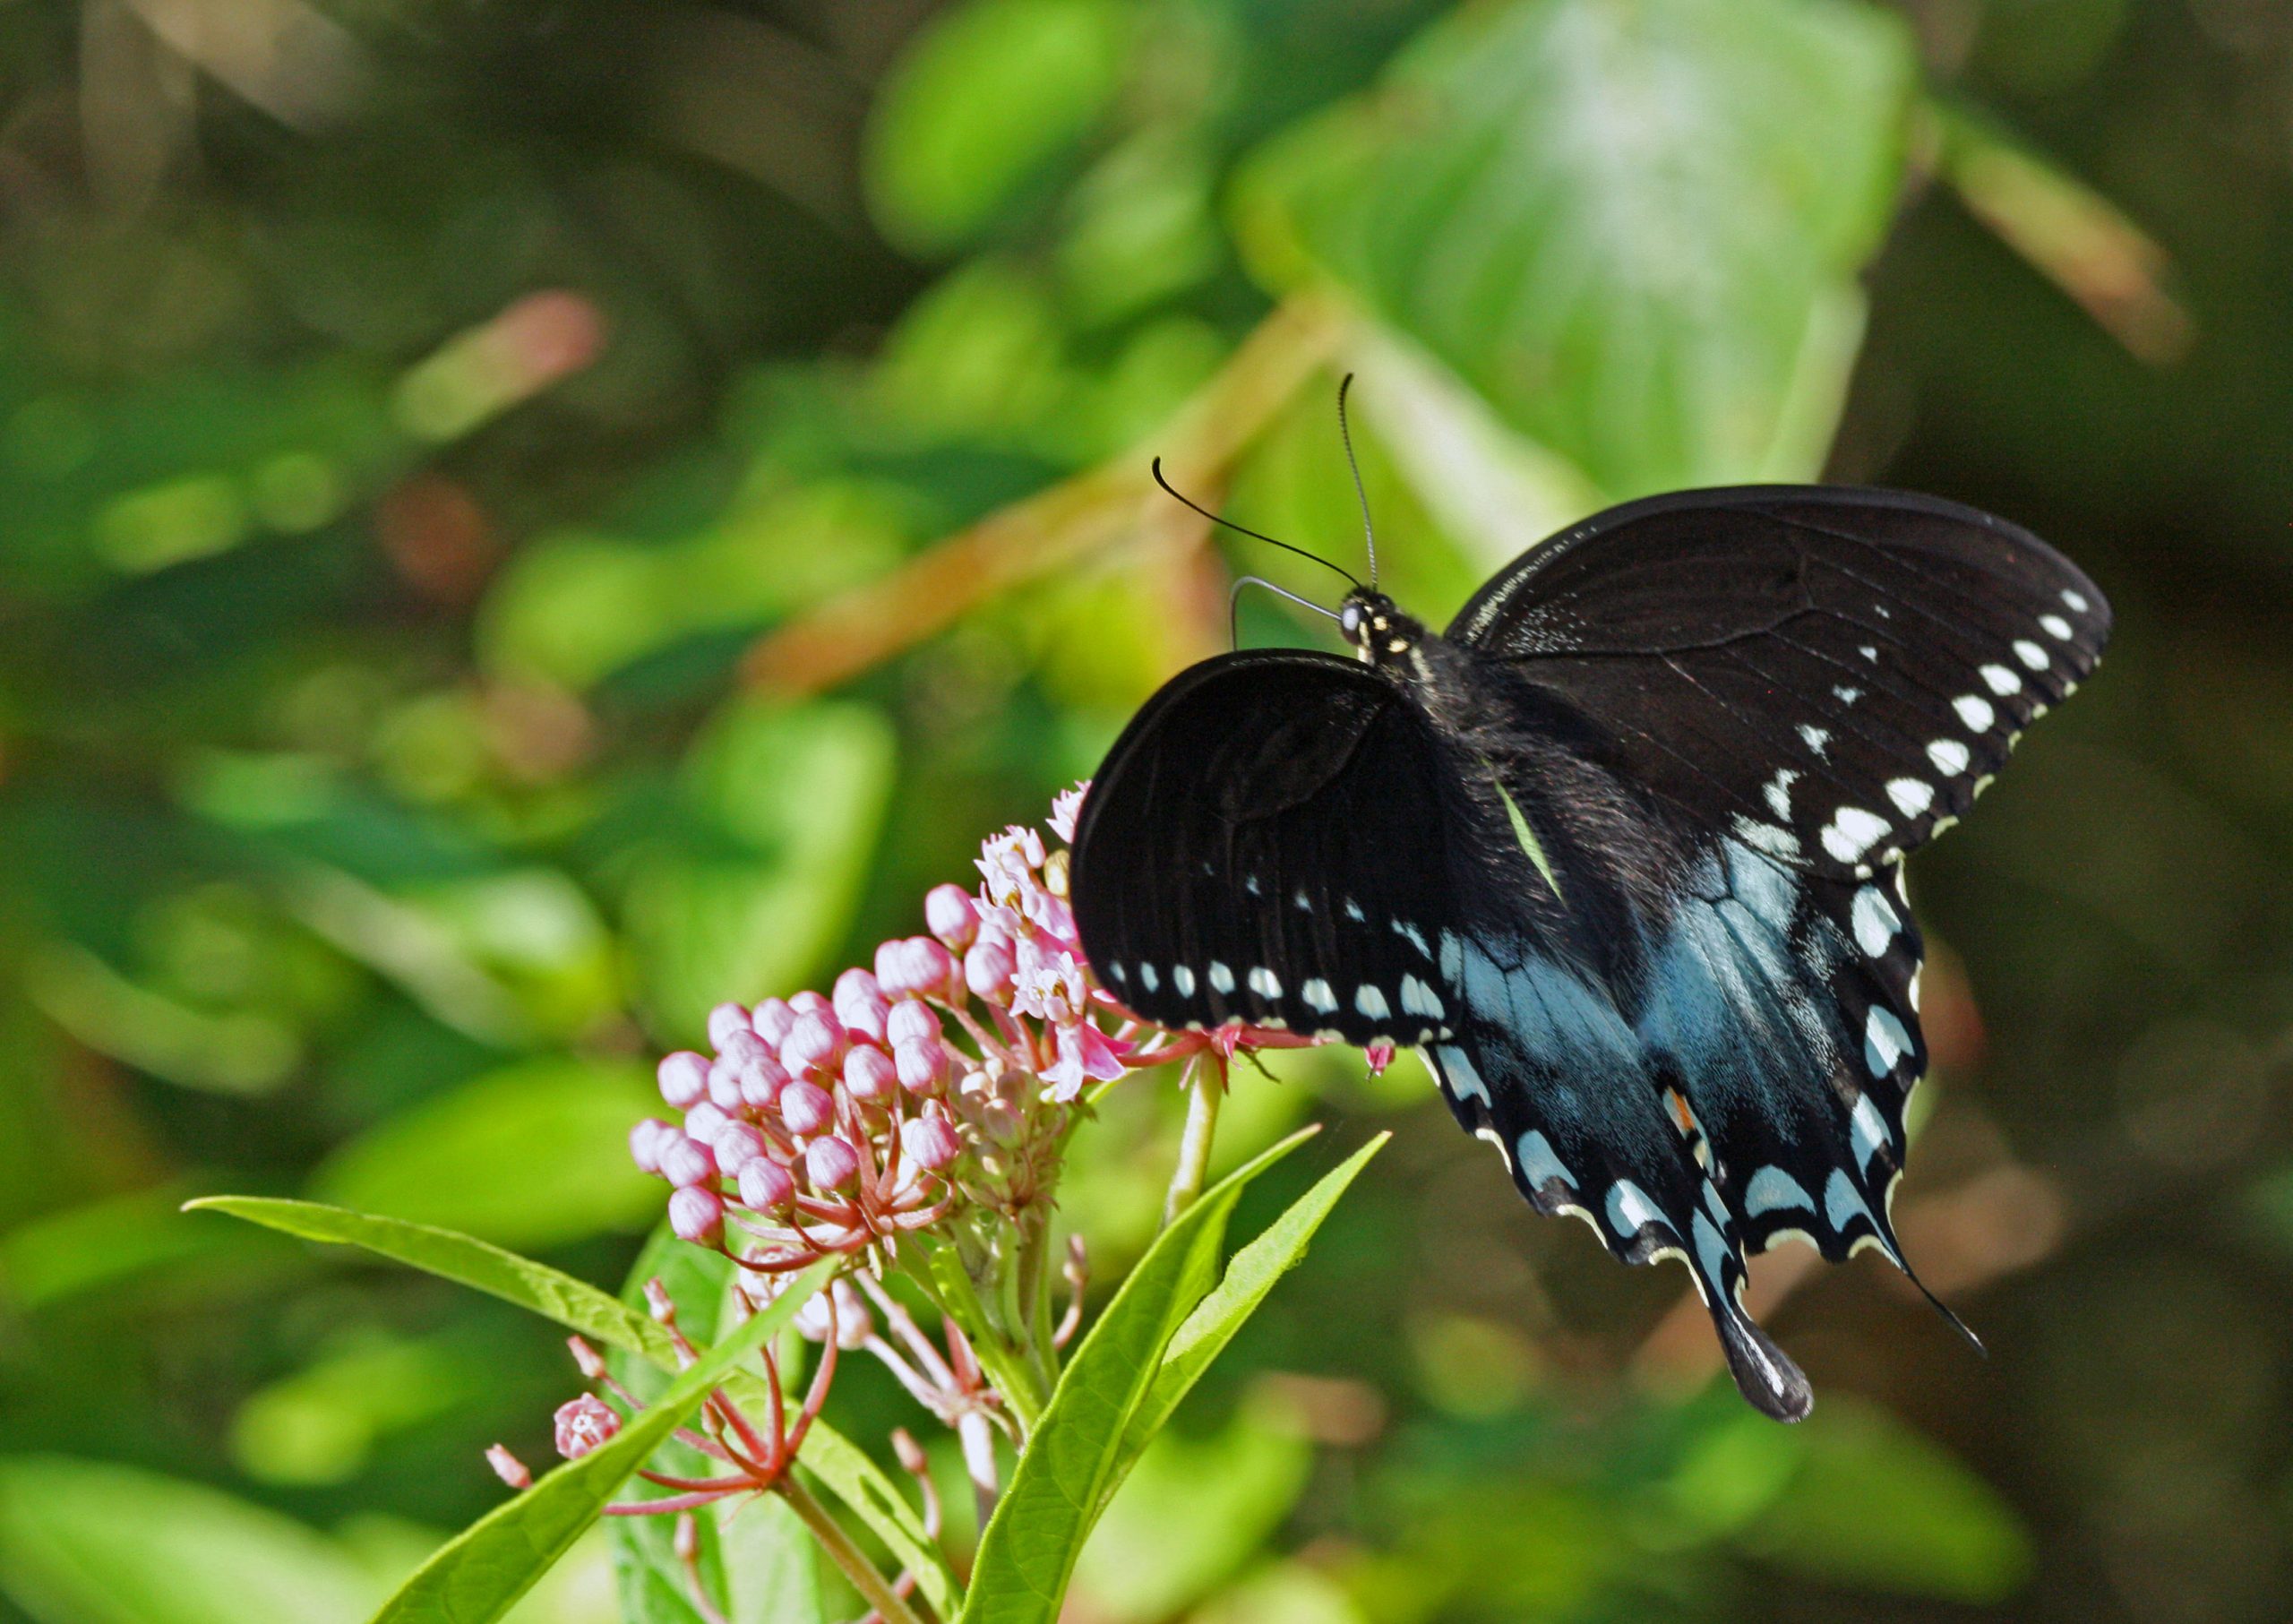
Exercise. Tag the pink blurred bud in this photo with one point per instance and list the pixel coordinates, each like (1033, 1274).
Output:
(830, 1163)
(948, 915)
(645, 1142)
(931, 1142)
(853, 1324)
(725, 1085)
(915, 968)
(1000, 1120)
(912, 1022)
(697, 1214)
(737, 1144)
(684, 1541)
(806, 1107)
(592, 1363)
(809, 1002)
(855, 984)
(766, 1185)
(509, 1468)
(762, 1082)
(869, 1076)
(921, 1065)
(989, 968)
(723, 1020)
(704, 1120)
(816, 1042)
(911, 1458)
(1380, 1054)
(772, 1019)
(684, 1078)
(688, 1164)
(1065, 807)
(658, 1303)
(864, 1020)
(585, 1424)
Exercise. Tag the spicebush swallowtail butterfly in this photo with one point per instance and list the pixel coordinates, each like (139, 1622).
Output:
(1622, 850)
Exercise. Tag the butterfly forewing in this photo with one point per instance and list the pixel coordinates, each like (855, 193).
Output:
(1840, 670)
(1264, 845)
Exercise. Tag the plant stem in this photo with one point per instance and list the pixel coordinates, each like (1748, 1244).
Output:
(1206, 1088)
(873, 1587)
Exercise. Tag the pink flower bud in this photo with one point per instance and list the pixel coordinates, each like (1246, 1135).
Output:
(989, 968)
(931, 1142)
(864, 1022)
(854, 985)
(725, 1085)
(853, 1325)
(702, 1121)
(684, 1078)
(809, 1002)
(509, 1468)
(816, 1042)
(688, 1164)
(737, 1144)
(772, 1019)
(911, 1458)
(766, 1185)
(915, 968)
(948, 915)
(1001, 1123)
(645, 1142)
(659, 1303)
(830, 1163)
(591, 1363)
(1380, 1054)
(762, 1082)
(806, 1107)
(869, 1076)
(912, 1021)
(697, 1214)
(1066, 806)
(585, 1424)
(723, 1020)
(921, 1065)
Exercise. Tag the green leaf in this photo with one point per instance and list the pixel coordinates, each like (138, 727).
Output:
(533, 1155)
(475, 1578)
(1278, 1248)
(93, 1542)
(783, 806)
(470, 1262)
(1876, 1504)
(1077, 1455)
(1633, 228)
(980, 101)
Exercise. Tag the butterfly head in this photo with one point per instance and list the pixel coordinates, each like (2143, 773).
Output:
(1375, 627)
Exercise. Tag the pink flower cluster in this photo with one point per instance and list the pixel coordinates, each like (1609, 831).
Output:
(821, 1123)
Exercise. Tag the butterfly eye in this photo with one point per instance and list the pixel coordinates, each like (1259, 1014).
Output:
(1349, 620)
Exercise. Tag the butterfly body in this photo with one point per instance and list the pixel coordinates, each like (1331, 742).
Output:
(1620, 850)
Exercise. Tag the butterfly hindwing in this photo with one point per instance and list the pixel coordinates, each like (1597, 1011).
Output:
(1832, 673)
(1264, 844)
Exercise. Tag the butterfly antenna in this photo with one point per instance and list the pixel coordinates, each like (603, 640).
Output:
(1233, 605)
(1258, 535)
(1369, 534)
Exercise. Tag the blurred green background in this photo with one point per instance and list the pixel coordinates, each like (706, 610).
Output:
(520, 518)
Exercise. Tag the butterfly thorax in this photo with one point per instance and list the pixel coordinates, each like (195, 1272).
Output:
(1381, 633)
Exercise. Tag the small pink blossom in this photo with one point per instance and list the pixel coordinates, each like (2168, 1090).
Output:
(870, 1075)
(723, 1020)
(816, 1042)
(771, 1021)
(806, 1107)
(948, 915)
(509, 1468)
(921, 1065)
(645, 1142)
(830, 1163)
(684, 1077)
(912, 1022)
(989, 967)
(1065, 807)
(585, 1424)
(688, 1163)
(1085, 1054)
(766, 1185)
(914, 967)
(697, 1214)
(931, 1142)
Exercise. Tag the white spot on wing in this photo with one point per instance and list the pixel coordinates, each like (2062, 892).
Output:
(1317, 996)
(1147, 976)
(2076, 601)
(1950, 757)
(2030, 654)
(1851, 831)
(1885, 1042)
(1772, 1189)
(2001, 680)
(1867, 1130)
(1266, 984)
(1869, 652)
(2056, 627)
(1354, 910)
(1401, 927)
(1816, 739)
(1182, 978)
(1975, 712)
(1419, 998)
(1875, 922)
(1779, 792)
(1914, 796)
(1846, 696)
(1371, 1003)
(1767, 838)
(1458, 1071)
(1539, 1164)
(1221, 978)
(1629, 1208)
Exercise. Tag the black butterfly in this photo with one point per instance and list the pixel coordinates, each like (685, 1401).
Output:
(1621, 849)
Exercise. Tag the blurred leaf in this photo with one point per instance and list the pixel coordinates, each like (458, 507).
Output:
(320, 1424)
(239, 1053)
(785, 804)
(1077, 1455)
(1192, 1511)
(533, 1155)
(89, 1542)
(1877, 1504)
(982, 99)
(103, 1244)
(1626, 225)
(1251, 1274)
(473, 1579)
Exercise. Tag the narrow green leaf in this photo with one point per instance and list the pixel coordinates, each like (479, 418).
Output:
(1248, 1278)
(461, 1258)
(840, 1464)
(1077, 1455)
(475, 1578)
